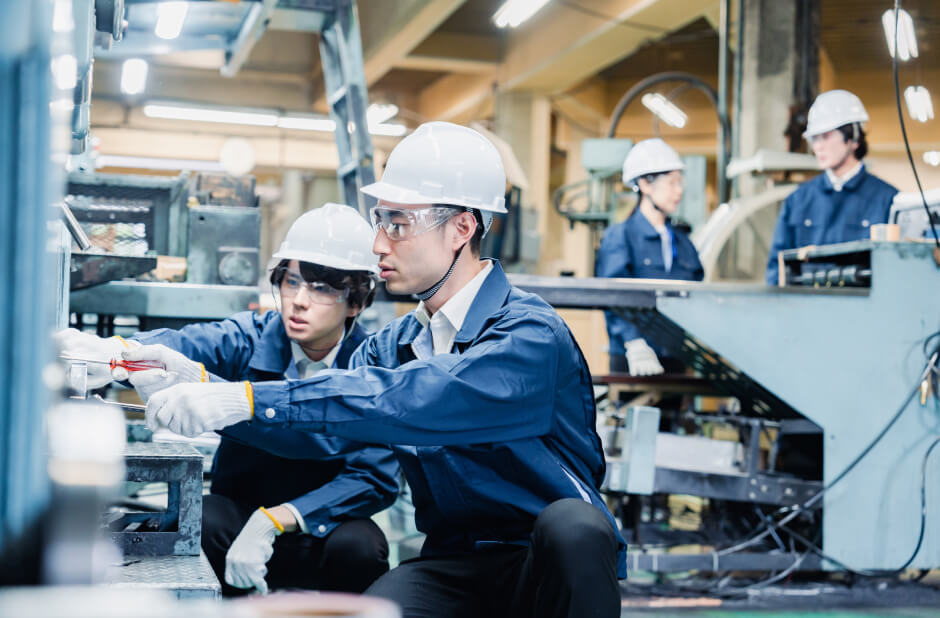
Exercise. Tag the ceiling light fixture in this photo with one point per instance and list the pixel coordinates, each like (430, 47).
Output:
(666, 110)
(133, 76)
(932, 157)
(170, 18)
(907, 40)
(260, 118)
(378, 113)
(919, 105)
(514, 12)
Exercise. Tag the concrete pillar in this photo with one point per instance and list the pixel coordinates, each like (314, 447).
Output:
(780, 73)
(524, 121)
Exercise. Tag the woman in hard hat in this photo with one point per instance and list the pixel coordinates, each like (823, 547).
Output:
(647, 246)
(841, 204)
(286, 510)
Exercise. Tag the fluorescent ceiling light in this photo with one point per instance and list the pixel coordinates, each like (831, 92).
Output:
(170, 17)
(158, 163)
(514, 12)
(919, 105)
(392, 129)
(306, 123)
(65, 71)
(62, 20)
(907, 40)
(206, 114)
(133, 76)
(665, 109)
(932, 157)
(380, 112)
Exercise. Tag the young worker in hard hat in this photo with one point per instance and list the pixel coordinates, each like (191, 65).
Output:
(481, 390)
(286, 510)
(646, 245)
(842, 203)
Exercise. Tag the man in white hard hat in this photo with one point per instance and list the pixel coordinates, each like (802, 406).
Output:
(843, 202)
(286, 510)
(481, 390)
(646, 245)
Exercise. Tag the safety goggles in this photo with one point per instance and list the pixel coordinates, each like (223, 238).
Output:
(402, 224)
(318, 292)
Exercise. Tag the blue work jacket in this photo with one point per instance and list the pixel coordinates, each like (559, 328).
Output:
(487, 435)
(817, 214)
(633, 249)
(327, 479)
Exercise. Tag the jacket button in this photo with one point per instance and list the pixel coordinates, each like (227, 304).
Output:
(321, 529)
(647, 261)
(808, 223)
(864, 222)
(269, 413)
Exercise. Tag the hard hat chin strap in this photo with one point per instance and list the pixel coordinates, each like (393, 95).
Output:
(431, 291)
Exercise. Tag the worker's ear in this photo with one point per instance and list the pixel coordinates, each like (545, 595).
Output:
(465, 224)
(352, 310)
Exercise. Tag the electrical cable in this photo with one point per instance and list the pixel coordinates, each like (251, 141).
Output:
(907, 145)
(800, 508)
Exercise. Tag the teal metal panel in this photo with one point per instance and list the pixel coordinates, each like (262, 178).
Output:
(847, 362)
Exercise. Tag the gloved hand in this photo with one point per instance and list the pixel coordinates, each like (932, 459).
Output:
(179, 370)
(641, 359)
(246, 559)
(72, 342)
(193, 409)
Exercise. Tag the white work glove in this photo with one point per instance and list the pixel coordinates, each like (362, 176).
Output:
(179, 370)
(72, 342)
(246, 559)
(193, 409)
(641, 359)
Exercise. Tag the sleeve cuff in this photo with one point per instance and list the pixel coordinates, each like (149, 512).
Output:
(272, 403)
(301, 522)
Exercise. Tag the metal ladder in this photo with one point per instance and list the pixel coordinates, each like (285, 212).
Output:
(344, 74)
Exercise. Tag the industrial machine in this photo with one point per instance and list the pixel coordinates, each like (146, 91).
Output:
(844, 363)
(211, 222)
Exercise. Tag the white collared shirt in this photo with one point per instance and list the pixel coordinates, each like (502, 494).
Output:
(307, 368)
(837, 182)
(440, 330)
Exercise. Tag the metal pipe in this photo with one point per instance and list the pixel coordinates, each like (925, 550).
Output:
(721, 158)
(738, 80)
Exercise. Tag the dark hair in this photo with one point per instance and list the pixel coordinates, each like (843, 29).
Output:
(359, 282)
(477, 239)
(650, 178)
(854, 132)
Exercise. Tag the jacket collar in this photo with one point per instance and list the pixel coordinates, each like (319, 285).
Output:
(850, 185)
(272, 353)
(491, 296)
(642, 225)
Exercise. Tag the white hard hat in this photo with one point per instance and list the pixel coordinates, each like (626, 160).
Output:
(833, 109)
(444, 163)
(651, 156)
(333, 235)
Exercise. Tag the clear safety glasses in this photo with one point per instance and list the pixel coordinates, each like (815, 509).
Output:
(318, 292)
(402, 224)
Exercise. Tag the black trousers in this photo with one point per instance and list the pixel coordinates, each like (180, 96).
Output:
(348, 559)
(569, 569)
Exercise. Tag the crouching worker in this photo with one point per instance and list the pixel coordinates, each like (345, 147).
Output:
(286, 510)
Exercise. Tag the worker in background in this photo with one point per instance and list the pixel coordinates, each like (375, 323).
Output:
(841, 204)
(646, 245)
(481, 390)
(286, 510)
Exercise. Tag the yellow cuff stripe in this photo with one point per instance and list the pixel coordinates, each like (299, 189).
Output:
(203, 375)
(277, 524)
(250, 393)
(121, 339)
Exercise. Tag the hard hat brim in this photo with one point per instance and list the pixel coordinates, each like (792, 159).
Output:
(394, 194)
(323, 259)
